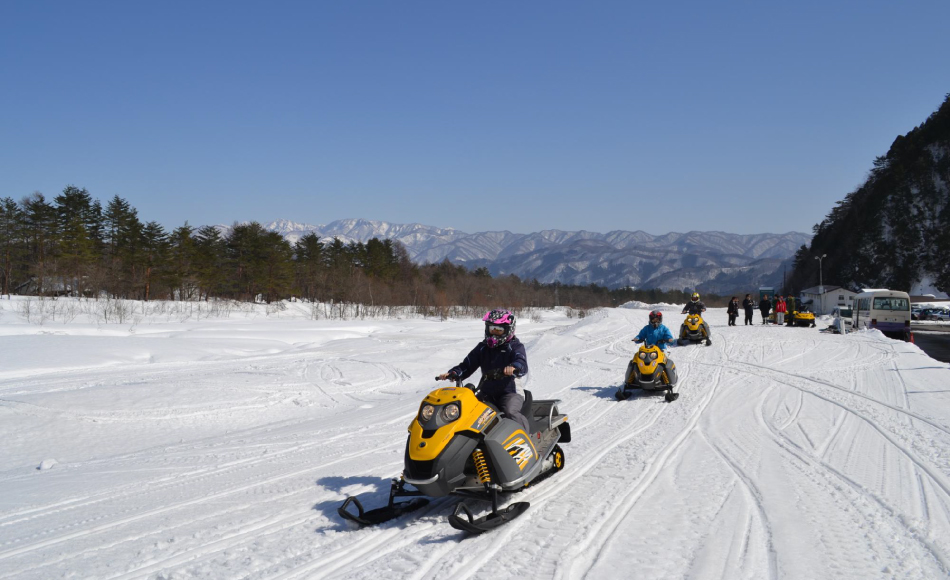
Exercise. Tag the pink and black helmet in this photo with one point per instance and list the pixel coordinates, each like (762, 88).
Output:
(499, 318)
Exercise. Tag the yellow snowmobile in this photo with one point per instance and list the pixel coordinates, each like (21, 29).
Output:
(693, 330)
(461, 446)
(802, 318)
(650, 370)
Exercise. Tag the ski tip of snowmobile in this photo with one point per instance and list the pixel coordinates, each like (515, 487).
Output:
(469, 523)
(378, 515)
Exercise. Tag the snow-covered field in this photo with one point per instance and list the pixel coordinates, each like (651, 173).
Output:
(169, 447)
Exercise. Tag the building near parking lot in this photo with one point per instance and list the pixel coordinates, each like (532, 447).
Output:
(828, 297)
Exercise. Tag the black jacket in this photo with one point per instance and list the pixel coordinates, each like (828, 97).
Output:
(694, 307)
(733, 308)
(488, 359)
(765, 306)
(748, 304)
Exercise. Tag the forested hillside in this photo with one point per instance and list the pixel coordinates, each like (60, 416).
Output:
(894, 230)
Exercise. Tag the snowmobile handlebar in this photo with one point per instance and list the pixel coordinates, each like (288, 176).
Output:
(451, 377)
(494, 375)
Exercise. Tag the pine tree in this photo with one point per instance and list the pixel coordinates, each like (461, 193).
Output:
(154, 253)
(310, 265)
(12, 243)
(42, 232)
(209, 261)
(181, 276)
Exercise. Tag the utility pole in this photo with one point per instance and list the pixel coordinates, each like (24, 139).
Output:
(821, 286)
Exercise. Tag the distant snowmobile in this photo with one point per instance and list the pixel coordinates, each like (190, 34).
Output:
(461, 446)
(693, 330)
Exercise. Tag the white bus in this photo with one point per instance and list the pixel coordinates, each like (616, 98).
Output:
(885, 310)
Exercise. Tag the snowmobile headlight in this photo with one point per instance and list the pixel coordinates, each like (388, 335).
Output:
(652, 356)
(643, 356)
(426, 413)
(451, 412)
(694, 320)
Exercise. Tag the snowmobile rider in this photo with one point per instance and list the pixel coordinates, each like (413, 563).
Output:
(500, 350)
(696, 306)
(655, 332)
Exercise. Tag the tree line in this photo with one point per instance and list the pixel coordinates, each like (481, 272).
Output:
(73, 245)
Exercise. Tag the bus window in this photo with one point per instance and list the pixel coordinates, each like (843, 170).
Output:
(891, 303)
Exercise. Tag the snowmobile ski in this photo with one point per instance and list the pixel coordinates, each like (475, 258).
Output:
(378, 515)
(469, 523)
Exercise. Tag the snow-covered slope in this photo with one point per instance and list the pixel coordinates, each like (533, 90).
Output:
(220, 448)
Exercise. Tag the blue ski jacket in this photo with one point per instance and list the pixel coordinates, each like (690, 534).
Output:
(653, 336)
(488, 359)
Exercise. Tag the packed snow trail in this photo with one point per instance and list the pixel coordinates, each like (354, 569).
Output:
(222, 448)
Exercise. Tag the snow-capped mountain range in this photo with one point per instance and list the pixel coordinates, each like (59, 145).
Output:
(715, 261)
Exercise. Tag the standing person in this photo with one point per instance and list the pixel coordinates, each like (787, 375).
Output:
(733, 310)
(780, 311)
(764, 308)
(790, 308)
(500, 350)
(748, 305)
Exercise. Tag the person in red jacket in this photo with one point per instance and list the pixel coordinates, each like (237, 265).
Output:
(780, 310)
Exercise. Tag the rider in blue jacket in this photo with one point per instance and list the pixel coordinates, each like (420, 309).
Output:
(656, 332)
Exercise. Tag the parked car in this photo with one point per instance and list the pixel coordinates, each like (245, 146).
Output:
(934, 314)
(940, 314)
(915, 312)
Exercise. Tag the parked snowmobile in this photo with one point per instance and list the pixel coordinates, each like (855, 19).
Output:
(461, 446)
(803, 317)
(693, 330)
(650, 370)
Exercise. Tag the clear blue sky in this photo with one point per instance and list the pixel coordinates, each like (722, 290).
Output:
(744, 117)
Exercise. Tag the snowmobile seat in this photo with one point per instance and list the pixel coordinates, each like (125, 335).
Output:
(544, 415)
(528, 413)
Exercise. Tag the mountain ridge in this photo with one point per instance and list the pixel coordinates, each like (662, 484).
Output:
(617, 258)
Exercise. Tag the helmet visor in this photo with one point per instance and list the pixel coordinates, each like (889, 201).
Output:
(496, 330)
